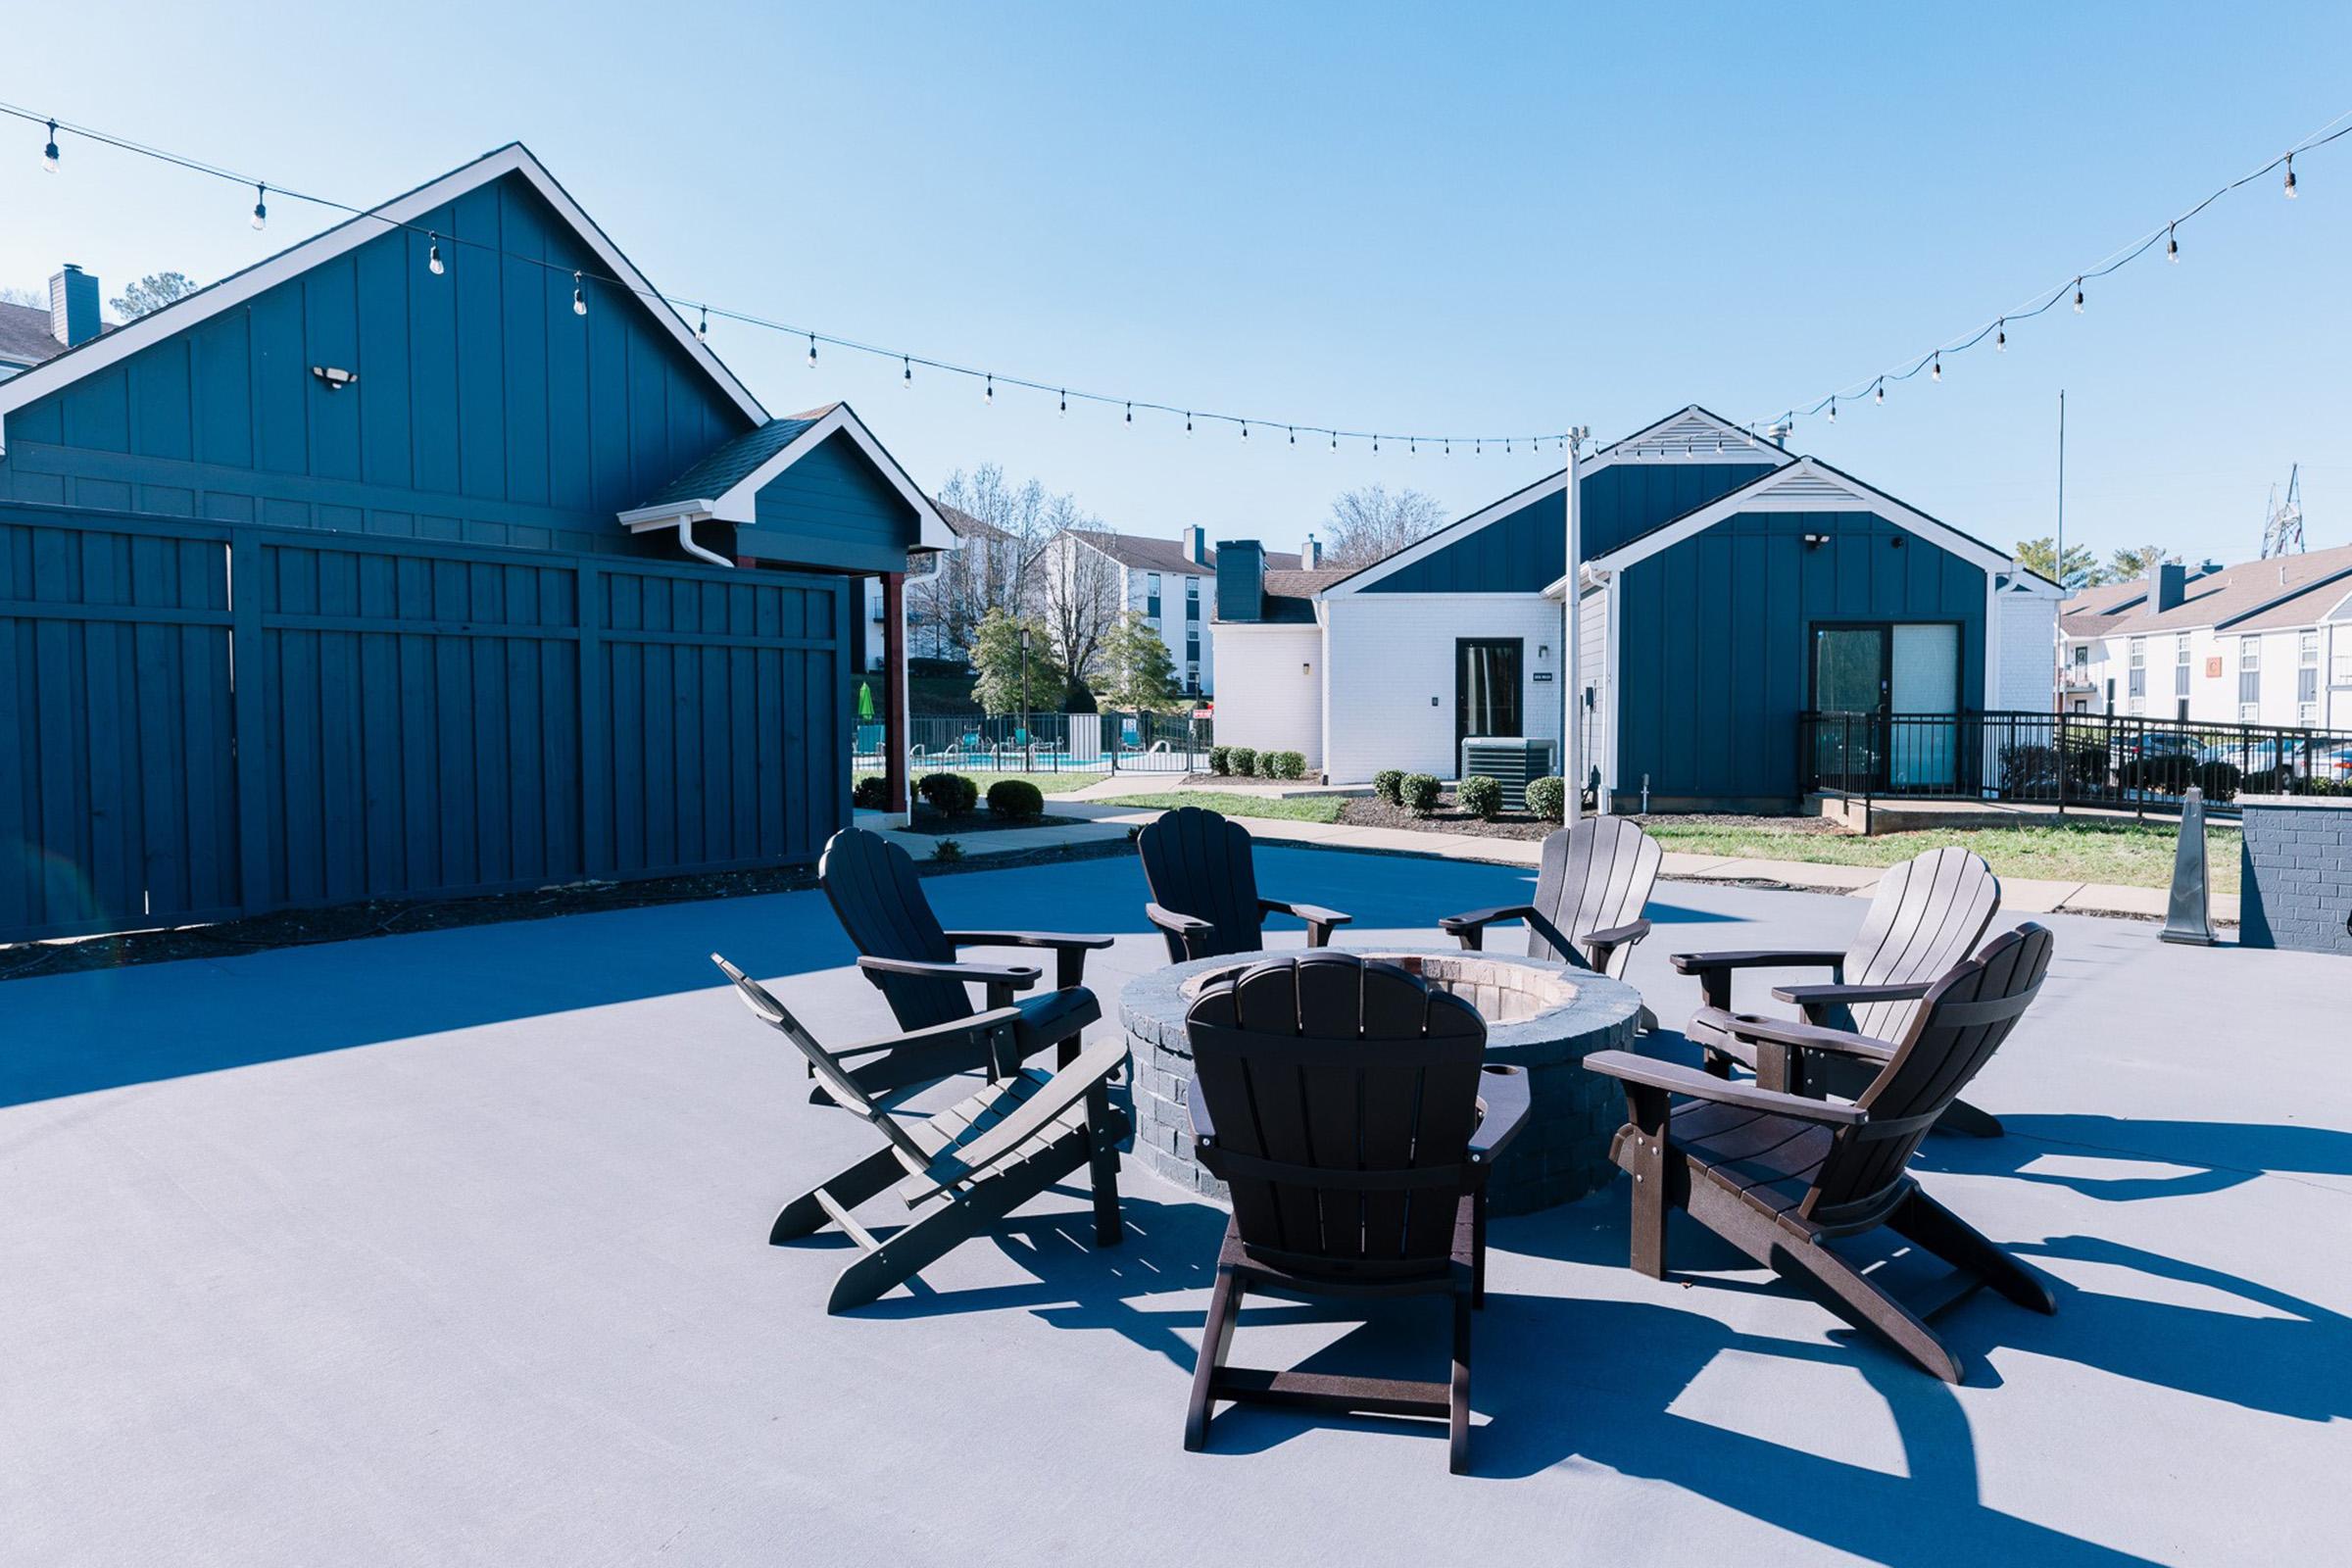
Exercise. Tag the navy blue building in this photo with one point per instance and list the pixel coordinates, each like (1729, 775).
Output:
(434, 555)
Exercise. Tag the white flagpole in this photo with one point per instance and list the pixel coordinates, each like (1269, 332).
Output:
(1572, 746)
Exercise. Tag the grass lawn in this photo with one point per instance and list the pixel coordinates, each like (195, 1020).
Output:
(1226, 803)
(2132, 854)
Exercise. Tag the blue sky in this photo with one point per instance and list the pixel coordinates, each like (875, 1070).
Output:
(1407, 217)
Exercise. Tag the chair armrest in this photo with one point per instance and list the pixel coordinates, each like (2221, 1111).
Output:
(1618, 935)
(1205, 1130)
(1755, 958)
(1800, 1036)
(924, 1055)
(1502, 1106)
(1812, 996)
(1177, 925)
(1453, 925)
(1028, 938)
(1311, 914)
(1626, 1067)
(1060, 1092)
(1019, 976)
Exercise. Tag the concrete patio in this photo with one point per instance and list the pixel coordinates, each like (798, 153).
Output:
(451, 1248)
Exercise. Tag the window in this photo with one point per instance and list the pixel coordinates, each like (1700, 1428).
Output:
(2081, 655)
(2307, 714)
(2138, 687)
(1192, 599)
(1151, 594)
(2344, 667)
(1192, 648)
(2248, 712)
(2249, 676)
(1191, 677)
(2181, 667)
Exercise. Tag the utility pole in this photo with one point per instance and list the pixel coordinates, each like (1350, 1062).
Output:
(2057, 635)
(1572, 749)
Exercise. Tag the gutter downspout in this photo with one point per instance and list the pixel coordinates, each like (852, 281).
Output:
(687, 544)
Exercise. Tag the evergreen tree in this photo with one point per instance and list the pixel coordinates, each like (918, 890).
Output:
(996, 655)
(2080, 569)
(1140, 676)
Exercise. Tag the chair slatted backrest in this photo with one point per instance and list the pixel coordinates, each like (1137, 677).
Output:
(1960, 1024)
(1198, 864)
(872, 884)
(1927, 916)
(830, 1073)
(1596, 875)
(1343, 1094)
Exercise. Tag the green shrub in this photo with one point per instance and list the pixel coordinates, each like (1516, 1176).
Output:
(947, 850)
(1283, 765)
(1245, 761)
(1388, 785)
(2219, 781)
(871, 794)
(1480, 796)
(1419, 791)
(948, 793)
(1220, 759)
(1015, 800)
(1548, 798)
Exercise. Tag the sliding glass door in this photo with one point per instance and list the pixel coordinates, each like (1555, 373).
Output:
(1486, 687)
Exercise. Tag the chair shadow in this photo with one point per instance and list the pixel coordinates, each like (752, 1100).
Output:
(2213, 1155)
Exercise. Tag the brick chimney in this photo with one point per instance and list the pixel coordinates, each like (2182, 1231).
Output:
(1310, 555)
(2168, 582)
(72, 305)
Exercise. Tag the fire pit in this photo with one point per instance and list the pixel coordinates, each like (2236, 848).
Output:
(1543, 1016)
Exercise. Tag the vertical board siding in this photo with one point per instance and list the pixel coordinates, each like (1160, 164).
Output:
(411, 719)
(1715, 650)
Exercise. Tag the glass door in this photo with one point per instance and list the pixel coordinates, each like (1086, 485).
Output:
(1486, 687)
(1850, 678)
(1923, 691)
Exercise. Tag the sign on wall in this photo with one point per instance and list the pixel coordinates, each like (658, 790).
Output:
(2212, 667)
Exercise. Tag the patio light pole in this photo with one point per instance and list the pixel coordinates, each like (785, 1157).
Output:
(1026, 745)
(1572, 750)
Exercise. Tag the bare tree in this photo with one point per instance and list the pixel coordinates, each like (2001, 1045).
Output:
(1373, 522)
(34, 298)
(1083, 590)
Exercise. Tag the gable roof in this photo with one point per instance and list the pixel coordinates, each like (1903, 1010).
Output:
(2282, 591)
(725, 484)
(235, 289)
(967, 526)
(1144, 553)
(26, 337)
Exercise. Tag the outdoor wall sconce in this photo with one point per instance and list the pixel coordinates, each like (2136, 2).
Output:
(1896, 541)
(1814, 541)
(1542, 649)
(1305, 669)
(335, 378)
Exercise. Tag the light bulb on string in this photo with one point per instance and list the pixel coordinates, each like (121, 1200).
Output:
(1375, 443)
(2171, 246)
(2078, 296)
(579, 301)
(1935, 370)
(701, 328)
(813, 351)
(1065, 402)
(1188, 422)
(49, 152)
(1130, 414)
(261, 207)
(989, 391)
(1335, 440)
(1833, 411)
(1449, 447)
(432, 255)
(2000, 336)
(1878, 394)
(1412, 446)
(1294, 430)
(906, 373)
(1244, 430)
(2291, 175)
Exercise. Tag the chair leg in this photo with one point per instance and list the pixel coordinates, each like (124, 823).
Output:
(806, 1216)
(1644, 1143)
(1457, 1456)
(1861, 1303)
(1216, 1341)
(1965, 1120)
(911, 1249)
(1478, 1248)
(1103, 1135)
(1937, 1228)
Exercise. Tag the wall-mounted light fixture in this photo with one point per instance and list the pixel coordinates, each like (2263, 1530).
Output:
(1305, 669)
(1814, 541)
(1542, 649)
(335, 376)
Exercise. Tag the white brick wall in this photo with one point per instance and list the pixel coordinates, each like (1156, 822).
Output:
(2027, 655)
(1269, 685)
(1393, 653)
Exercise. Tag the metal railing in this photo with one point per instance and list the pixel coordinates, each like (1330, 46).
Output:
(2108, 761)
(1045, 742)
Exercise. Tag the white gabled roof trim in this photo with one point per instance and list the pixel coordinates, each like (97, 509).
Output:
(738, 504)
(237, 288)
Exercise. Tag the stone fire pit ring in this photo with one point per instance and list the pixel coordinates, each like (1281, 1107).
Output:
(1541, 1015)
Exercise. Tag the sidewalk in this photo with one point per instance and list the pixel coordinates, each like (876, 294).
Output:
(1105, 822)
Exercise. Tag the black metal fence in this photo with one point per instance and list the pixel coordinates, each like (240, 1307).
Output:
(1047, 743)
(2064, 759)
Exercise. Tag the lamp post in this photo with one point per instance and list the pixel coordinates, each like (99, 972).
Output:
(1026, 745)
(1572, 610)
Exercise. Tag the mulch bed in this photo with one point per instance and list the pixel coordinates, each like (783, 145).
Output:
(1447, 818)
(980, 821)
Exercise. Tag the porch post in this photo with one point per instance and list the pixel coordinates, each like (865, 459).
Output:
(895, 737)
(1572, 697)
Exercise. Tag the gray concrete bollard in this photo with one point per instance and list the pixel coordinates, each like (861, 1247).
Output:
(2189, 919)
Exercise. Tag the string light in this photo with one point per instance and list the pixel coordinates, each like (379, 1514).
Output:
(906, 373)
(1376, 444)
(579, 301)
(1244, 430)
(2171, 246)
(2000, 336)
(261, 207)
(1935, 371)
(1294, 435)
(701, 328)
(1877, 393)
(813, 351)
(1335, 440)
(1131, 414)
(2078, 296)
(432, 255)
(990, 393)
(2290, 176)
(49, 152)
(1833, 416)
(1188, 422)
(1065, 400)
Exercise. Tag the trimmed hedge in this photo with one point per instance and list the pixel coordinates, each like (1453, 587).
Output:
(1015, 800)
(1480, 795)
(948, 793)
(1548, 798)
(1245, 761)
(1388, 785)
(2172, 775)
(1282, 764)
(1220, 759)
(871, 794)
(1419, 791)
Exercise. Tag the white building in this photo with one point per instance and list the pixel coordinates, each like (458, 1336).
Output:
(2265, 641)
(1171, 582)
(947, 591)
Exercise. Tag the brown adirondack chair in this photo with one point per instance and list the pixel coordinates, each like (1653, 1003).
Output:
(1593, 886)
(960, 1169)
(1204, 882)
(1926, 917)
(908, 955)
(1344, 1106)
(1780, 1175)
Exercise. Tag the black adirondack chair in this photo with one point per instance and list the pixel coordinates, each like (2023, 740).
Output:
(1591, 890)
(1203, 883)
(960, 1169)
(908, 955)
(1926, 917)
(1780, 1176)
(1344, 1106)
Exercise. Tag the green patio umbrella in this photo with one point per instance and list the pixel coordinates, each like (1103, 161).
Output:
(865, 702)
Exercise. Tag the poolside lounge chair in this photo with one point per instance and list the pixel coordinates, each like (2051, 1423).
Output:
(906, 954)
(1589, 894)
(1780, 1176)
(1344, 1105)
(1926, 916)
(1204, 881)
(976, 1161)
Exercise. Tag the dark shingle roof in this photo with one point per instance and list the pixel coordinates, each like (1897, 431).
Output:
(24, 338)
(1293, 583)
(967, 526)
(1143, 552)
(2252, 596)
(730, 463)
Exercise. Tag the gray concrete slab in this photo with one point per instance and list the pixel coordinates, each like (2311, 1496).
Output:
(451, 1248)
